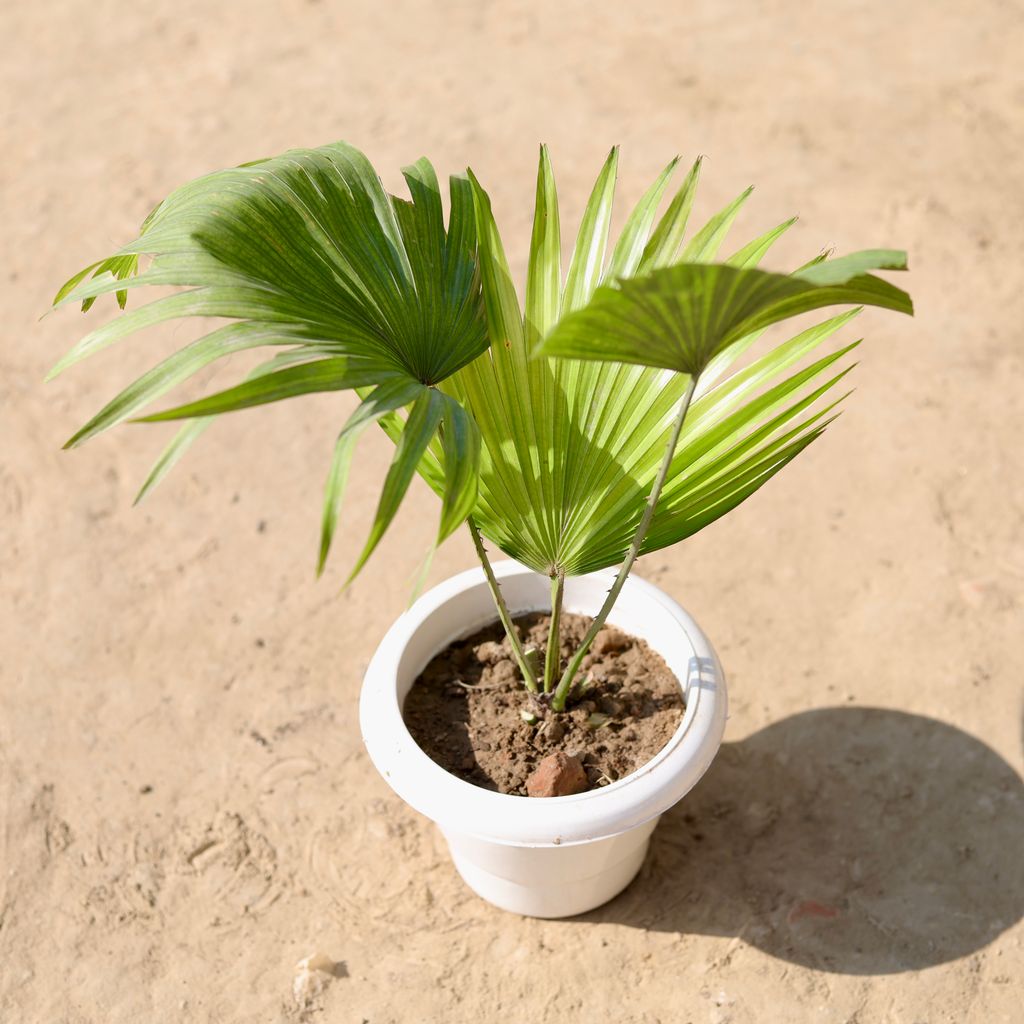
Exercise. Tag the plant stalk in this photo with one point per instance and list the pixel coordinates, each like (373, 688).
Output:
(552, 660)
(529, 676)
(565, 684)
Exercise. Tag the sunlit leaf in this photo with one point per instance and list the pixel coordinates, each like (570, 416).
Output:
(570, 451)
(303, 252)
(681, 317)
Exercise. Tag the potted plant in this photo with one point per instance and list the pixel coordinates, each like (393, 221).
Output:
(611, 415)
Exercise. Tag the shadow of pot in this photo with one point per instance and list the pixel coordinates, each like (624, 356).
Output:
(852, 840)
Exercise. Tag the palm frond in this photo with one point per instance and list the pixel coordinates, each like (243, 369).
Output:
(681, 317)
(575, 399)
(306, 253)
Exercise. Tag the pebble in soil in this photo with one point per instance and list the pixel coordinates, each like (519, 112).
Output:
(465, 709)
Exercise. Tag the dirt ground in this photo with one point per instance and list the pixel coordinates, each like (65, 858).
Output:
(185, 805)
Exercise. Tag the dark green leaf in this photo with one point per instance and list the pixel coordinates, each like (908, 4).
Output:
(331, 374)
(461, 444)
(424, 418)
(383, 400)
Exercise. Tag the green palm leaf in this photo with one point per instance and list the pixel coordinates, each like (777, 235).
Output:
(335, 373)
(382, 401)
(308, 253)
(681, 317)
(575, 400)
(193, 429)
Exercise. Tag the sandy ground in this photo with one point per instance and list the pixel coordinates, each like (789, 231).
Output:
(186, 807)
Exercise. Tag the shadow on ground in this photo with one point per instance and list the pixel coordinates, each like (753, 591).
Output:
(852, 840)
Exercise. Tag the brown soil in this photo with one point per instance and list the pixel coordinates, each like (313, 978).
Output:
(465, 710)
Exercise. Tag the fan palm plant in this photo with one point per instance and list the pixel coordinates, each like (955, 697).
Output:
(606, 417)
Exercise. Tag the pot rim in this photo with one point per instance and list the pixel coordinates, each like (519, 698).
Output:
(459, 806)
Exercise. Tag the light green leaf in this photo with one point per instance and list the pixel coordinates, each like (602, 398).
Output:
(587, 264)
(751, 254)
(844, 268)
(704, 245)
(725, 494)
(629, 249)
(681, 317)
(569, 451)
(544, 274)
(667, 237)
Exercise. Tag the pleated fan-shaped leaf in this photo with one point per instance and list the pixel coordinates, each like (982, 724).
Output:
(681, 317)
(576, 397)
(307, 254)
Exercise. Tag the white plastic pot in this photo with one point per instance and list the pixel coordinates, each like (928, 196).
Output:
(564, 855)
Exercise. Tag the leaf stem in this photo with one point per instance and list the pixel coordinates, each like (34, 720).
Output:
(565, 684)
(529, 676)
(553, 658)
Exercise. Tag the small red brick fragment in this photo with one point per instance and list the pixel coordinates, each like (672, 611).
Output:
(557, 775)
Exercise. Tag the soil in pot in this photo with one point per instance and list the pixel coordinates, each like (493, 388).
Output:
(465, 709)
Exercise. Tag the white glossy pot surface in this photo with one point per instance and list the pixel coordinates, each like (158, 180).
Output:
(564, 855)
